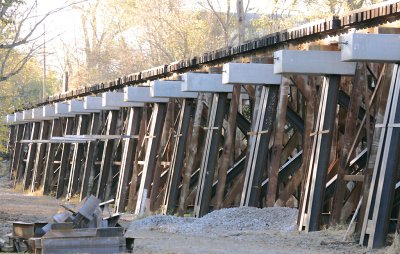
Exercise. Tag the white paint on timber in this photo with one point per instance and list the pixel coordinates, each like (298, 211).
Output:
(49, 111)
(95, 103)
(61, 109)
(27, 115)
(370, 47)
(76, 106)
(141, 94)
(10, 119)
(115, 99)
(169, 89)
(250, 74)
(204, 82)
(312, 62)
(38, 115)
(19, 117)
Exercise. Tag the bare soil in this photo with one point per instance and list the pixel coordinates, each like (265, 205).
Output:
(17, 206)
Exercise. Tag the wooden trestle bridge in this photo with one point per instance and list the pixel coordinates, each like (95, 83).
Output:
(307, 117)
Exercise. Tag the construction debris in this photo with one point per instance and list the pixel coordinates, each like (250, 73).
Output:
(223, 221)
(83, 230)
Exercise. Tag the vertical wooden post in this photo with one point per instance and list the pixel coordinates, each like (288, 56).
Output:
(167, 131)
(64, 164)
(380, 197)
(107, 158)
(210, 154)
(128, 154)
(229, 146)
(17, 150)
(40, 156)
(349, 134)
(19, 163)
(319, 162)
(256, 160)
(77, 157)
(309, 92)
(90, 155)
(31, 156)
(151, 157)
(278, 143)
(174, 176)
(12, 140)
(48, 174)
(193, 151)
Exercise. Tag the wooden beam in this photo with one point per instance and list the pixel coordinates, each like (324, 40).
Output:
(107, 158)
(40, 156)
(48, 174)
(316, 179)
(20, 164)
(77, 157)
(128, 155)
(65, 163)
(360, 80)
(88, 168)
(178, 156)
(31, 156)
(210, 154)
(256, 161)
(272, 191)
(158, 117)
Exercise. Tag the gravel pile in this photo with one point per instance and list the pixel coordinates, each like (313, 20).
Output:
(223, 221)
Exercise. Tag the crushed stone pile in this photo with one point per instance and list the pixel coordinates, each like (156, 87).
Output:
(222, 221)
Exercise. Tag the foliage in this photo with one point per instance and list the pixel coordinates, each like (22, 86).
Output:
(286, 14)
(19, 23)
(22, 89)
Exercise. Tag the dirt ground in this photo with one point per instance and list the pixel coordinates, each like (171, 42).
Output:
(16, 206)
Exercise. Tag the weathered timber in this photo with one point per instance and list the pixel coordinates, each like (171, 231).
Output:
(380, 199)
(128, 155)
(261, 131)
(154, 137)
(40, 156)
(272, 192)
(178, 156)
(319, 162)
(210, 154)
(30, 159)
(107, 158)
(350, 131)
(51, 152)
(88, 168)
(65, 162)
(77, 157)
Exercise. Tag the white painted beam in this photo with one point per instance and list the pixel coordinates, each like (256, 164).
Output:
(77, 106)
(61, 110)
(169, 89)
(115, 99)
(27, 115)
(95, 103)
(250, 74)
(19, 117)
(141, 94)
(10, 119)
(204, 82)
(49, 111)
(370, 47)
(312, 62)
(38, 114)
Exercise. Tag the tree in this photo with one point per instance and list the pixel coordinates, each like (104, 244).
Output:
(20, 38)
(24, 89)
